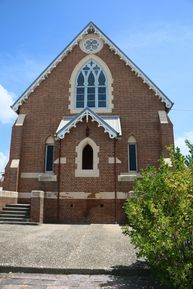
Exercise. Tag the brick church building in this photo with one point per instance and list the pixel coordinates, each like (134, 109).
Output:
(85, 128)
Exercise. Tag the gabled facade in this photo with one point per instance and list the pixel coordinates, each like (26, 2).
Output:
(85, 128)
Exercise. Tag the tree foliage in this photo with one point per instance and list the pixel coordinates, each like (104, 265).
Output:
(160, 218)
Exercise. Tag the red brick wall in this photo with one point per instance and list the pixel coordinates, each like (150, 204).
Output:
(7, 198)
(137, 107)
(83, 211)
(133, 101)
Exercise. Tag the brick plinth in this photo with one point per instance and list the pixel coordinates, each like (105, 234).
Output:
(7, 198)
(37, 206)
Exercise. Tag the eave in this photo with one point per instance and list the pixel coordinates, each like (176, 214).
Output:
(62, 130)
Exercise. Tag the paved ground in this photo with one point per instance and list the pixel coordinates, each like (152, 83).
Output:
(44, 281)
(65, 247)
(100, 252)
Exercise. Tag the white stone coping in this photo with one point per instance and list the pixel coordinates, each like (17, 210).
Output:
(14, 164)
(62, 161)
(37, 194)
(47, 178)
(20, 120)
(111, 160)
(85, 195)
(128, 177)
(8, 194)
(24, 195)
(163, 117)
(43, 177)
(79, 195)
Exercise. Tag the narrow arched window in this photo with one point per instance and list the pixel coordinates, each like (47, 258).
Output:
(132, 154)
(91, 87)
(49, 155)
(87, 158)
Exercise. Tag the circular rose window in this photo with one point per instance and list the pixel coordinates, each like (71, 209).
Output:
(91, 45)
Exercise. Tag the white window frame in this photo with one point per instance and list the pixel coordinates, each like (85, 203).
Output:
(109, 83)
(96, 85)
(79, 172)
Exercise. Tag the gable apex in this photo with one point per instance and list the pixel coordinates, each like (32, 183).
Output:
(111, 124)
(92, 28)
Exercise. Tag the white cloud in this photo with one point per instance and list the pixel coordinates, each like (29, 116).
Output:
(180, 141)
(19, 70)
(6, 100)
(3, 162)
(157, 34)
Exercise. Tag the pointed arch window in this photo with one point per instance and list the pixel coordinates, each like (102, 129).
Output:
(91, 87)
(132, 154)
(49, 155)
(87, 158)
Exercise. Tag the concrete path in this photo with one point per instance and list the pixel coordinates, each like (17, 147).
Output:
(86, 256)
(71, 248)
(45, 281)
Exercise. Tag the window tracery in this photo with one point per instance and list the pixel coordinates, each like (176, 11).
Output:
(91, 87)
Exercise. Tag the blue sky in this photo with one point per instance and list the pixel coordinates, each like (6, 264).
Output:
(156, 35)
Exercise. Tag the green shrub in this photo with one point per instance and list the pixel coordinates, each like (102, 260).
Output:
(160, 218)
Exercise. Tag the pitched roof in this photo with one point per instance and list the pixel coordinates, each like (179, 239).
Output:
(92, 27)
(111, 124)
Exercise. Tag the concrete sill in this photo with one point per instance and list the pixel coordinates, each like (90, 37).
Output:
(128, 177)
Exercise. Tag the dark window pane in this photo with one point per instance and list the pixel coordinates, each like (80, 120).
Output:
(102, 97)
(91, 79)
(80, 97)
(87, 158)
(132, 157)
(102, 90)
(80, 101)
(91, 104)
(102, 104)
(49, 157)
(80, 90)
(91, 97)
(80, 80)
(101, 78)
(79, 104)
(91, 90)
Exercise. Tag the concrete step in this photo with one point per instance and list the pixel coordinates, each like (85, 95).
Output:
(18, 205)
(15, 214)
(4, 212)
(18, 223)
(17, 210)
(2, 218)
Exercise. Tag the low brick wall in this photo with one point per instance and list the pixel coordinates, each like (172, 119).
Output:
(8, 197)
(84, 211)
